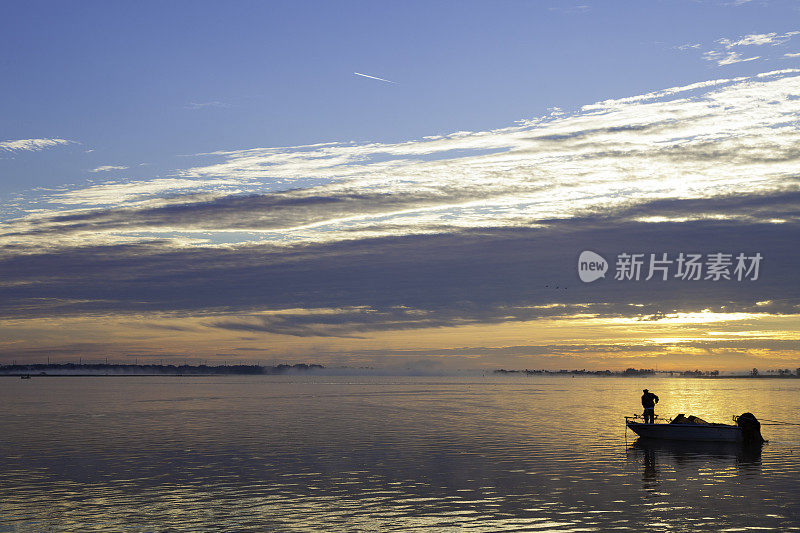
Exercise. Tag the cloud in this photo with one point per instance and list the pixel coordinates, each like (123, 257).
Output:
(343, 240)
(462, 277)
(704, 140)
(728, 56)
(31, 145)
(759, 39)
(571, 9)
(126, 192)
(106, 168)
(205, 105)
(651, 349)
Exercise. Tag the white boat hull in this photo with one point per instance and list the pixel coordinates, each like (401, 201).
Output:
(688, 432)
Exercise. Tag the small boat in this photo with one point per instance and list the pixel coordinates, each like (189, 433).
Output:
(25, 376)
(692, 428)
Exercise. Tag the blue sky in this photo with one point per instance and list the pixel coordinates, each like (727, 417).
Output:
(145, 83)
(212, 180)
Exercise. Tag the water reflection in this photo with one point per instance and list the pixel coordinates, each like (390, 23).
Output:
(360, 455)
(692, 457)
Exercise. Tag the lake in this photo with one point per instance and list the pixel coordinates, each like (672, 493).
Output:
(319, 453)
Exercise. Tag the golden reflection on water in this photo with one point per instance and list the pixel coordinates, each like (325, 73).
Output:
(379, 454)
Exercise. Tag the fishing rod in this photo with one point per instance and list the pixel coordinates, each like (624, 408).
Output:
(765, 422)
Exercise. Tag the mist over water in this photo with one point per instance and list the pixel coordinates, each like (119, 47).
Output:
(335, 453)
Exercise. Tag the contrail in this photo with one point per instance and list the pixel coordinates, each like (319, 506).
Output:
(373, 77)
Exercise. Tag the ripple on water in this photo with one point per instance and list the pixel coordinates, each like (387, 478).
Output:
(395, 454)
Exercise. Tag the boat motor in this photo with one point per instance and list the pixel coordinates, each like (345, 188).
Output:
(751, 429)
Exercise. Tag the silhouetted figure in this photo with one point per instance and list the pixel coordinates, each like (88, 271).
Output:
(649, 401)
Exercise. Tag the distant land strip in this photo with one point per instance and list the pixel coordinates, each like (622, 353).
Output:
(642, 372)
(106, 369)
(112, 369)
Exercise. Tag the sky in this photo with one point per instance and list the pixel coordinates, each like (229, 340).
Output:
(401, 185)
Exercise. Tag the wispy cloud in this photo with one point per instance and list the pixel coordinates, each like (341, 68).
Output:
(727, 57)
(759, 39)
(204, 105)
(731, 132)
(31, 145)
(373, 77)
(106, 168)
(571, 9)
(126, 192)
(725, 53)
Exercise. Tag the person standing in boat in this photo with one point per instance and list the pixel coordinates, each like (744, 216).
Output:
(649, 401)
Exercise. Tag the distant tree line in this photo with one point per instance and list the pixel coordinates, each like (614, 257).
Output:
(136, 369)
(781, 372)
(626, 372)
(633, 372)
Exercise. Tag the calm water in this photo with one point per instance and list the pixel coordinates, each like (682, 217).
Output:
(385, 454)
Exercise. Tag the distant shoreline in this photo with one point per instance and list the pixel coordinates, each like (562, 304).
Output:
(106, 369)
(636, 373)
(134, 370)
